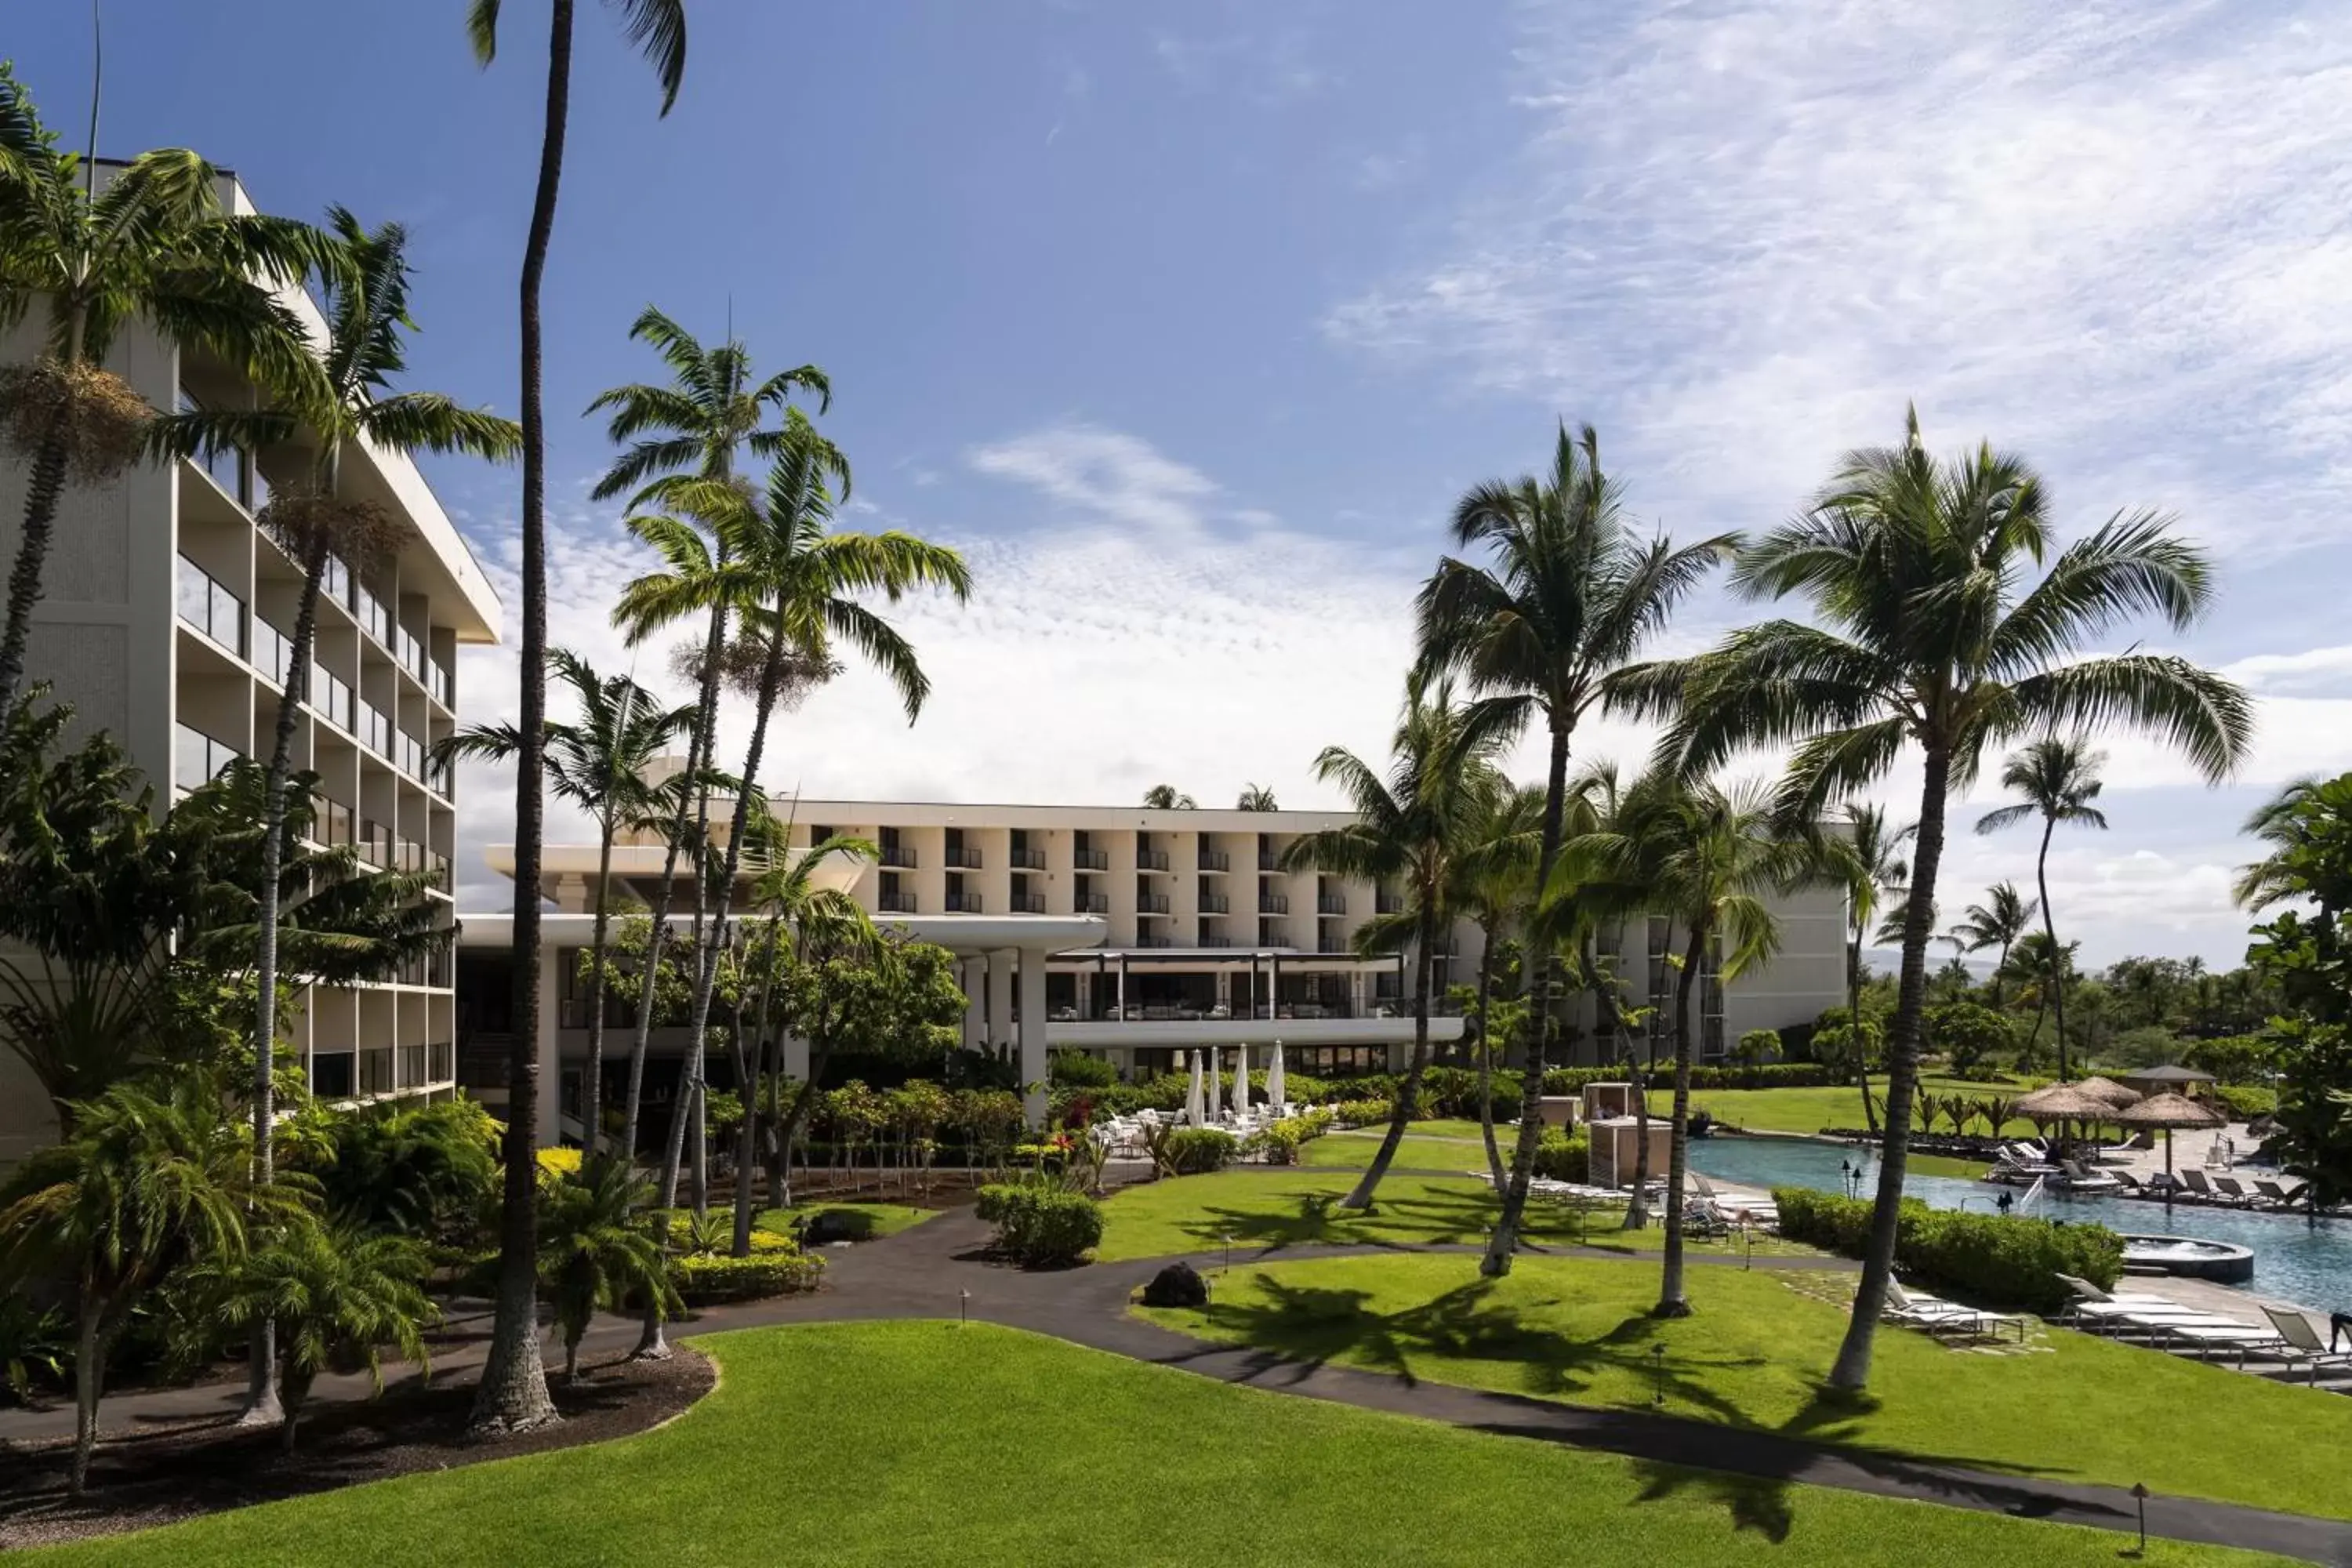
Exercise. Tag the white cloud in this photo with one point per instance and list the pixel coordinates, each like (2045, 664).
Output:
(1113, 477)
(2111, 233)
(2314, 672)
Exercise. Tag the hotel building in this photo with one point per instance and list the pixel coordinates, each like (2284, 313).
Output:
(165, 619)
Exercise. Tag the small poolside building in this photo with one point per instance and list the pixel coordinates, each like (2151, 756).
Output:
(1617, 1150)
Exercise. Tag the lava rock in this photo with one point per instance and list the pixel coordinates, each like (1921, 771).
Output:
(1178, 1285)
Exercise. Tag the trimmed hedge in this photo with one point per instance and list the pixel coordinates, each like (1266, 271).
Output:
(2003, 1260)
(1564, 1157)
(1364, 1112)
(705, 1279)
(1773, 1075)
(1041, 1226)
(2245, 1101)
(1197, 1150)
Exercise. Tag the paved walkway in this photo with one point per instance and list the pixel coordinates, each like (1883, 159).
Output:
(933, 1271)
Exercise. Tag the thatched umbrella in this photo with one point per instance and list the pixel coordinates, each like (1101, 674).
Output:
(2108, 1090)
(2167, 1079)
(2169, 1111)
(2063, 1102)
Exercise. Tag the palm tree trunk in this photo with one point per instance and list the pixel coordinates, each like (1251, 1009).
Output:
(1853, 1029)
(513, 1396)
(1408, 1092)
(1851, 1371)
(1637, 1207)
(1537, 965)
(89, 1378)
(1672, 1301)
(745, 1139)
(592, 1076)
(41, 497)
(1486, 1061)
(262, 1404)
(2054, 994)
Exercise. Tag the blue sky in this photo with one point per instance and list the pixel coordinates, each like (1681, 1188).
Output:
(1189, 321)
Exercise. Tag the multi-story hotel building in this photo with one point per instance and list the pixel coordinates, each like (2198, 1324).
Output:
(165, 619)
(1135, 934)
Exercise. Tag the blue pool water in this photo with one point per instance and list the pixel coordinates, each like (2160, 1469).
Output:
(2301, 1260)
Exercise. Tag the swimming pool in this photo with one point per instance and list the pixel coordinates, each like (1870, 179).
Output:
(2301, 1260)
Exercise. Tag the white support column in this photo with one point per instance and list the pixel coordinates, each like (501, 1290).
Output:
(970, 972)
(1033, 1035)
(550, 1060)
(1000, 999)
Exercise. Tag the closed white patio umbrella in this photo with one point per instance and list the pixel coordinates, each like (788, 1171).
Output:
(1274, 1089)
(1240, 1079)
(1192, 1095)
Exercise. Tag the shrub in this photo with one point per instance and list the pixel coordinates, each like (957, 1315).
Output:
(1041, 1226)
(1363, 1112)
(1756, 1046)
(1197, 1150)
(1562, 1156)
(2245, 1101)
(828, 1225)
(1775, 1075)
(1277, 1141)
(715, 1232)
(2233, 1058)
(2005, 1261)
(1079, 1070)
(1967, 1033)
(705, 1279)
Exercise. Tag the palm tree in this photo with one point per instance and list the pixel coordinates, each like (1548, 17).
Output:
(598, 763)
(333, 1298)
(1257, 797)
(1571, 595)
(154, 246)
(2283, 824)
(1409, 830)
(1496, 887)
(142, 1185)
(2006, 915)
(1166, 797)
(1872, 871)
(1934, 639)
(592, 1253)
(2059, 779)
(1709, 857)
(513, 1393)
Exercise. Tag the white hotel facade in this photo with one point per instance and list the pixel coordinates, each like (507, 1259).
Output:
(1130, 933)
(165, 620)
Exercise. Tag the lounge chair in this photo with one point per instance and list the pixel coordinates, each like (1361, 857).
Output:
(1938, 1316)
(2132, 1186)
(2280, 1196)
(2202, 1188)
(2300, 1342)
(2229, 1189)
(2225, 1334)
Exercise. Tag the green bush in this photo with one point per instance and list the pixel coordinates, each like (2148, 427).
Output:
(2245, 1101)
(1564, 1156)
(2002, 1260)
(1076, 1069)
(1197, 1150)
(1278, 1142)
(1967, 1033)
(1364, 1112)
(2233, 1058)
(705, 1279)
(1039, 1226)
(1774, 1074)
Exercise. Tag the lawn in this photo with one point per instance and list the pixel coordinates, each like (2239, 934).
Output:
(2083, 1409)
(890, 1219)
(924, 1443)
(1417, 1152)
(1812, 1109)
(1266, 1208)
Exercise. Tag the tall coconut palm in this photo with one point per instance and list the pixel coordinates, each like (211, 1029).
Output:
(598, 763)
(1410, 830)
(1868, 857)
(2283, 824)
(1257, 797)
(1569, 596)
(1709, 857)
(513, 1396)
(1936, 637)
(2059, 778)
(1495, 887)
(1167, 797)
(362, 287)
(154, 246)
(1997, 923)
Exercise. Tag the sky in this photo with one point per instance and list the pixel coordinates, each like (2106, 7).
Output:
(1187, 323)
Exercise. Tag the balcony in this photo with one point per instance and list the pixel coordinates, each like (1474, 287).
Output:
(1268, 860)
(374, 617)
(1090, 903)
(375, 729)
(210, 608)
(1151, 860)
(1213, 860)
(1387, 903)
(1090, 859)
(1151, 903)
(196, 758)
(897, 903)
(1215, 904)
(440, 777)
(1330, 903)
(1272, 934)
(1214, 935)
(1027, 859)
(273, 652)
(1330, 943)
(1155, 941)
(333, 700)
(1027, 904)
(963, 859)
(899, 856)
(961, 904)
(1273, 903)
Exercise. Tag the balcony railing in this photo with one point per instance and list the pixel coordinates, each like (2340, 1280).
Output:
(1388, 903)
(962, 857)
(1330, 903)
(334, 699)
(375, 729)
(273, 652)
(1027, 859)
(374, 617)
(1155, 941)
(334, 824)
(330, 1075)
(1214, 935)
(1151, 860)
(1215, 860)
(1268, 860)
(1027, 904)
(411, 754)
(1273, 903)
(1090, 859)
(1273, 935)
(376, 1072)
(209, 607)
(1215, 904)
(963, 903)
(440, 776)
(229, 466)
(196, 758)
(1328, 943)
(899, 856)
(1151, 903)
(439, 681)
(440, 1061)
(897, 903)
(1091, 904)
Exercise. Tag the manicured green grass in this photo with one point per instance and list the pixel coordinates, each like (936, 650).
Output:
(1262, 1208)
(924, 1443)
(1812, 1109)
(890, 1219)
(1417, 1152)
(1755, 1351)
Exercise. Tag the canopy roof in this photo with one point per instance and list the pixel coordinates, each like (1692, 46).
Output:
(2065, 1102)
(2171, 1111)
(2169, 1074)
(2108, 1090)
